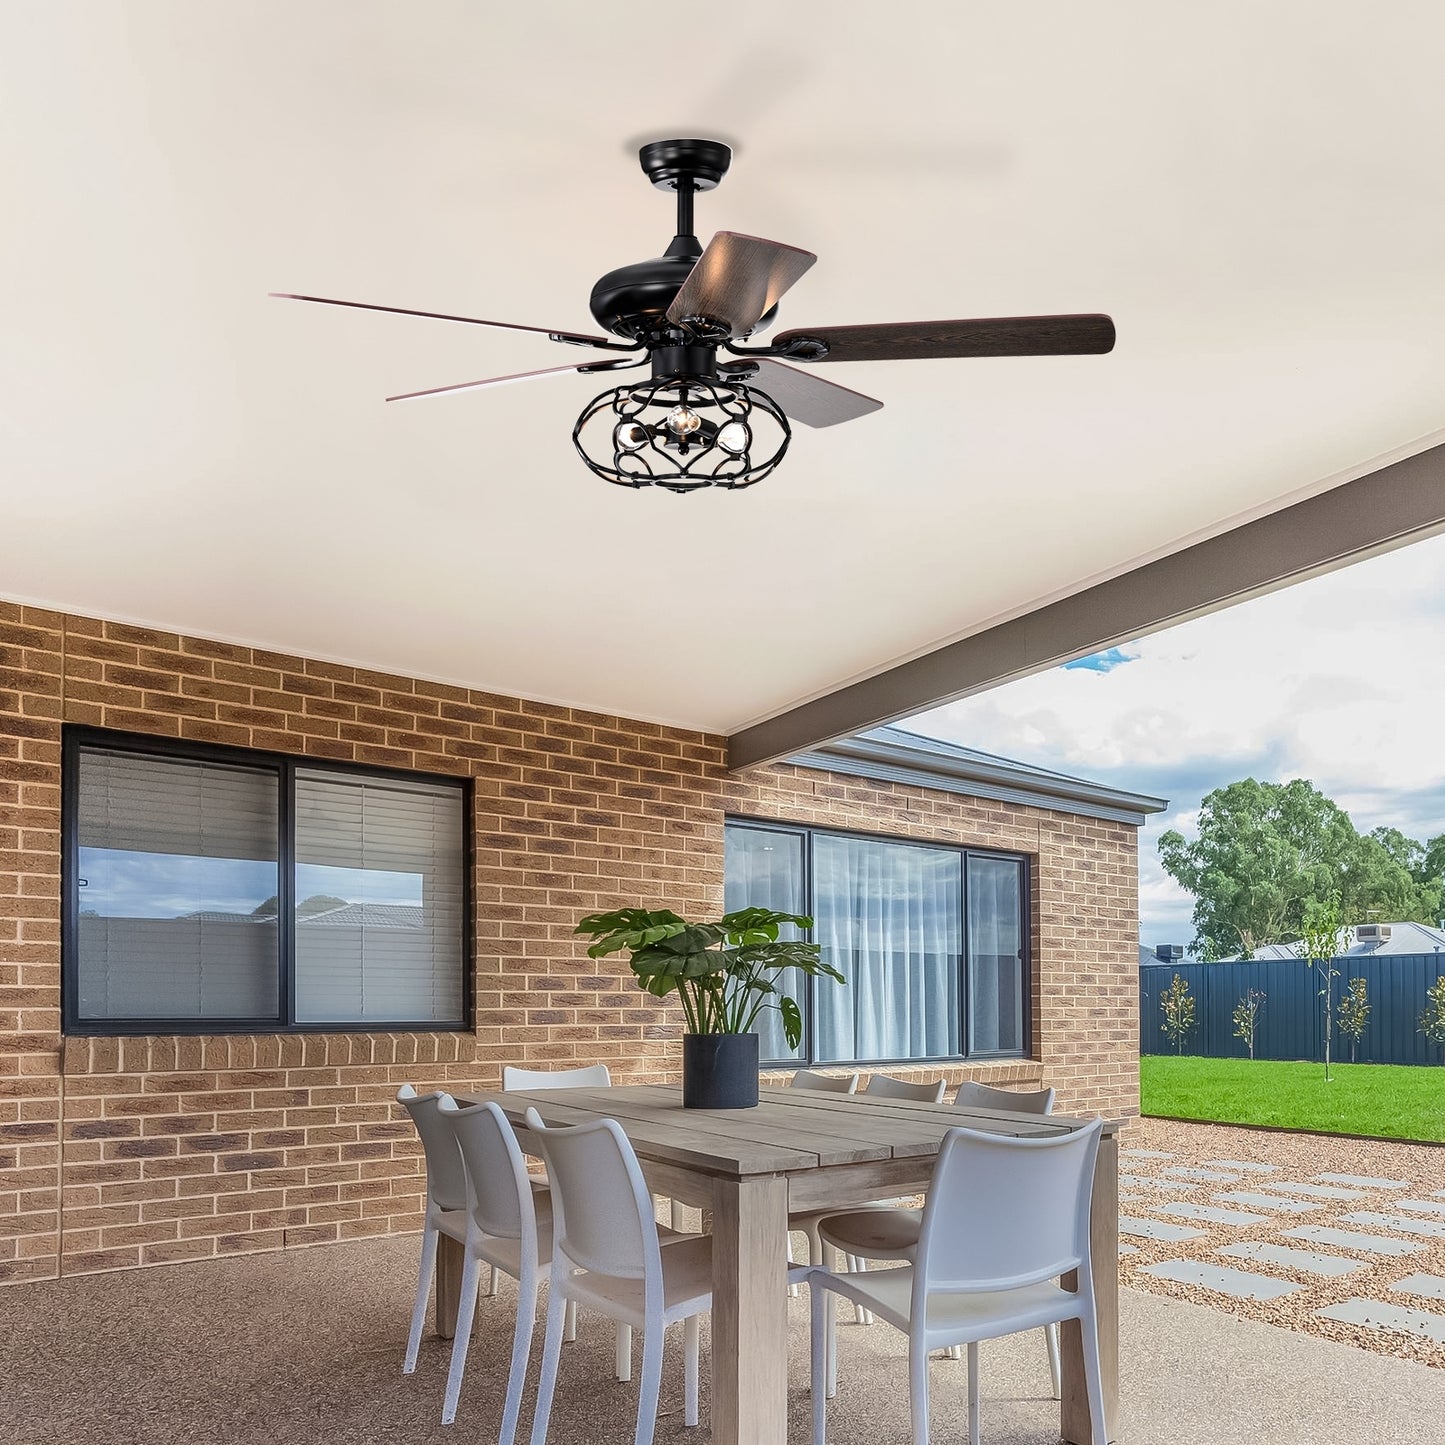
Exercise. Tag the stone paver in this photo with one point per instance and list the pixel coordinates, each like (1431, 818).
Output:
(1248, 1166)
(1238, 1283)
(1143, 1181)
(1185, 1210)
(1183, 1171)
(1382, 1316)
(1270, 1201)
(1144, 1154)
(1429, 1285)
(1128, 1248)
(1329, 1266)
(1157, 1229)
(1311, 1191)
(1430, 1228)
(1351, 1239)
(1422, 1206)
(1365, 1181)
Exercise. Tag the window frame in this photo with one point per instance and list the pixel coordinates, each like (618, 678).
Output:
(807, 832)
(283, 767)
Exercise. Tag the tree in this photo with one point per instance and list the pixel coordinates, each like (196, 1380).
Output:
(1355, 1014)
(1266, 851)
(1246, 1017)
(1432, 1021)
(1178, 1006)
(1320, 942)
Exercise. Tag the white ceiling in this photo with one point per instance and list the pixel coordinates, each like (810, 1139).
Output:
(1255, 193)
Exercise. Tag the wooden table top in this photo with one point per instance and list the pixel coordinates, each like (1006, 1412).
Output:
(791, 1130)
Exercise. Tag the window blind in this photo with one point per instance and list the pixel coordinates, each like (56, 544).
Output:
(380, 899)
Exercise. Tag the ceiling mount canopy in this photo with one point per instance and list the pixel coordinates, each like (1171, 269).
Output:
(698, 422)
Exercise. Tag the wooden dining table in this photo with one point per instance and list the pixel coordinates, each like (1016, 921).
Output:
(801, 1150)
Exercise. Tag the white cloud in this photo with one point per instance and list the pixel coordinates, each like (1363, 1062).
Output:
(1340, 680)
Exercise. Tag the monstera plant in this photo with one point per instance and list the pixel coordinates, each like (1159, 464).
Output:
(726, 975)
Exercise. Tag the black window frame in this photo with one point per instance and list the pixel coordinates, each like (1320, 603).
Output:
(282, 766)
(807, 832)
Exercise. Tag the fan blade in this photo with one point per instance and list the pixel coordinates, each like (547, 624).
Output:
(738, 279)
(809, 399)
(496, 381)
(575, 338)
(984, 336)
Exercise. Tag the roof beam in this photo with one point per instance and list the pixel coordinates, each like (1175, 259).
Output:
(1400, 502)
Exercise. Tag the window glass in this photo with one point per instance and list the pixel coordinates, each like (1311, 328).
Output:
(764, 869)
(177, 889)
(995, 955)
(379, 899)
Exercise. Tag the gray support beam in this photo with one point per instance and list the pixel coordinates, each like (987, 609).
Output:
(1401, 502)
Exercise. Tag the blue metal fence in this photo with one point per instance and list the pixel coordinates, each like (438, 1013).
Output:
(1291, 1022)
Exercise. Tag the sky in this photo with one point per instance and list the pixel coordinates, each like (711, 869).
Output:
(1340, 680)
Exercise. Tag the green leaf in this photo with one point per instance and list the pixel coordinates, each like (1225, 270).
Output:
(792, 1021)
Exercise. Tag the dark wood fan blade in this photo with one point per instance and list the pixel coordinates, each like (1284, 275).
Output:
(737, 279)
(809, 399)
(575, 338)
(492, 381)
(984, 336)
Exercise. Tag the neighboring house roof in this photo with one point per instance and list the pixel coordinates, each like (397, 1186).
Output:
(351, 915)
(1149, 954)
(894, 754)
(1403, 938)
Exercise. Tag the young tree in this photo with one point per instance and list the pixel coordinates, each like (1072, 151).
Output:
(1355, 1014)
(1432, 1021)
(1319, 945)
(1246, 1017)
(1178, 1005)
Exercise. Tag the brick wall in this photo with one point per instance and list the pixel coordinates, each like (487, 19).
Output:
(122, 1152)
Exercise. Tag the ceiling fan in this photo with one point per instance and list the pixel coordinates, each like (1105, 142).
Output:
(701, 419)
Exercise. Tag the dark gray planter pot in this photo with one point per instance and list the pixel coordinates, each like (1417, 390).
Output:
(719, 1071)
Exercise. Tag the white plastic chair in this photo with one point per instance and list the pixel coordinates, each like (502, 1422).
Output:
(824, 1083)
(1005, 1218)
(509, 1228)
(446, 1200)
(607, 1255)
(805, 1222)
(590, 1076)
(887, 1234)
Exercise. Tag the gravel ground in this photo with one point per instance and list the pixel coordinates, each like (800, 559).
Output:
(1299, 1158)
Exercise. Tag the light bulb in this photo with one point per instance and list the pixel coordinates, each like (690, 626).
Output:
(733, 437)
(629, 436)
(682, 421)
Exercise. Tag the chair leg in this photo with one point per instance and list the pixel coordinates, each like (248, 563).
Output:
(1093, 1375)
(466, 1309)
(819, 1374)
(521, 1351)
(624, 1352)
(1051, 1339)
(677, 1220)
(954, 1352)
(423, 1291)
(651, 1384)
(792, 1288)
(918, 1390)
(571, 1330)
(860, 1315)
(831, 1343)
(973, 1393)
(492, 1273)
(691, 1336)
(551, 1354)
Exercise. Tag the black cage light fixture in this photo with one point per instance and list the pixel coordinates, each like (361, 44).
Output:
(700, 422)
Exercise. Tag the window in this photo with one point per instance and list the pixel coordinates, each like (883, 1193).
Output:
(210, 889)
(931, 940)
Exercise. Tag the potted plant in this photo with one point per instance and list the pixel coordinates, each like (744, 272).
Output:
(725, 975)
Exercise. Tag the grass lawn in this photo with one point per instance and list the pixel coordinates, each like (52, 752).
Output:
(1381, 1100)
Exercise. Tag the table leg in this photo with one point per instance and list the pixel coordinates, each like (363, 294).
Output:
(1104, 1246)
(451, 1258)
(750, 1312)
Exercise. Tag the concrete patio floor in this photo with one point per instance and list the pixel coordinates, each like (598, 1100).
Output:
(305, 1347)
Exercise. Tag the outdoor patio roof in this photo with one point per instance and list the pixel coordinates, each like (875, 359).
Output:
(1250, 194)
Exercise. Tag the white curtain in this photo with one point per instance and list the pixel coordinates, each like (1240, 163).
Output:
(888, 916)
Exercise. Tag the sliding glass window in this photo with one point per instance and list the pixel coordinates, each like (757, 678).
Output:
(931, 940)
